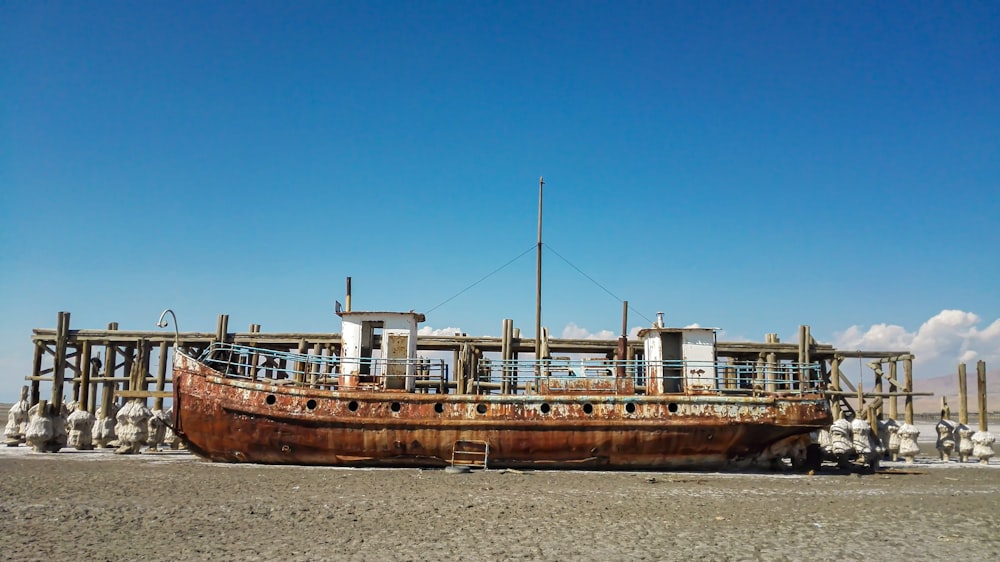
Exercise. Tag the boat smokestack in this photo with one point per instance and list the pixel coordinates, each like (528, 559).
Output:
(347, 303)
(659, 315)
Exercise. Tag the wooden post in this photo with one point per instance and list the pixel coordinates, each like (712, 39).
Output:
(893, 405)
(300, 366)
(456, 367)
(759, 377)
(806, 356)
(222, 328)
(981, 379)
(878, 389)
(59, 369)
(772, 372)
(802, 357)
(108, 388)
(622, 351)
(315, 372)
(327, 367)
(78, 370)
(161, 374)
(36, 371)
(254, 329)
(128, 365)
(963, 396)
(908, 387)
(835, 383)
(83, 401)
(506, 338)
(147, 352)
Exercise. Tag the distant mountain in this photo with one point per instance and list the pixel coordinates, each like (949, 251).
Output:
(947, 386)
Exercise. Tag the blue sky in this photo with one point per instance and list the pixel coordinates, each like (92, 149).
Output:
(751, 166)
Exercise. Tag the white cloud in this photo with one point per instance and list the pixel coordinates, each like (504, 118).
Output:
(946, 339)
(428, 331)
(574, 332)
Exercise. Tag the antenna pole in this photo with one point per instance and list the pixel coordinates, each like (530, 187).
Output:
(538, 283)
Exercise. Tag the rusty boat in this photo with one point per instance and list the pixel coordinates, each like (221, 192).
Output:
(670, 403)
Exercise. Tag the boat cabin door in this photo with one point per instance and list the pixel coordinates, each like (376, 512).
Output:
(397, 351)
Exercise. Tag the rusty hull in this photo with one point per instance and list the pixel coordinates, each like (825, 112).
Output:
(230, 420)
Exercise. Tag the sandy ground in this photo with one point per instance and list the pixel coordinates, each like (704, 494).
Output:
(173, 506)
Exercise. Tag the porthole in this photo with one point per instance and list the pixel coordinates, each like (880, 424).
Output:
(672, 408)
(545, 408)
(630, 408)
(588, 409)
(352, 406)
(439, 408)
(481, 408)
(394, 406)
(270, 399)
(311, 404)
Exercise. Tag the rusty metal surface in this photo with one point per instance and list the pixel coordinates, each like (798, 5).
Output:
(259, 421)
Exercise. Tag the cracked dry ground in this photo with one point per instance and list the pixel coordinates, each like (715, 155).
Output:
(94, 506)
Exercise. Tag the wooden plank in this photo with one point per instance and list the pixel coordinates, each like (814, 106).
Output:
(128, 394)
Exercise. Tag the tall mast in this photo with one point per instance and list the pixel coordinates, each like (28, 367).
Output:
(538, 281)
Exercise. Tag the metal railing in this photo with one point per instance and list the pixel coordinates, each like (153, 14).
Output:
(556, 375)
(254, 363)
(676, 376)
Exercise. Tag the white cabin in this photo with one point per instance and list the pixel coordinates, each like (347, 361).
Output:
(679, 359)
(393, 367)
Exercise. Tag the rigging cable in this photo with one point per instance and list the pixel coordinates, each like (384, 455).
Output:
(605, 289)
(484, 278)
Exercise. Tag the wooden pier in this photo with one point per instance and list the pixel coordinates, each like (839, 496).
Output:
(105, 366)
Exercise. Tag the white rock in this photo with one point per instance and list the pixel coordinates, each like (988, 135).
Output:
(132, 428)
(945, 438)
(965, 445)
(157, 429)
(104, 428)
(39, 432)
(840, 438)
(17, 421)
(908, 447)
(81, 427)
(170, 438)
(983, 446)
(889, 433)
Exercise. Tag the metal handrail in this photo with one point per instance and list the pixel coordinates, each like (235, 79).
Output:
(247, 362)
(726, 377)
